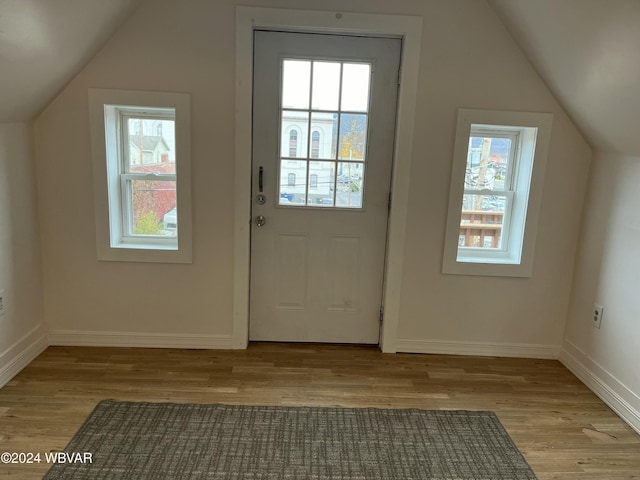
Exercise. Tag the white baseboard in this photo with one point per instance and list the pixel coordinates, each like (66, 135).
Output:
(514, 350)
(80, 338)
(611, 391)
(22, 353)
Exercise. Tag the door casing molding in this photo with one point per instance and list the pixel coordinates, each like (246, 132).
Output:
(409, 29)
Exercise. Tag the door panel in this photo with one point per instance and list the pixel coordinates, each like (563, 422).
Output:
(323, 128)
(293, 251)
(344, 274)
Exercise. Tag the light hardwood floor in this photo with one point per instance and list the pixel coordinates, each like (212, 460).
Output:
(563, 430)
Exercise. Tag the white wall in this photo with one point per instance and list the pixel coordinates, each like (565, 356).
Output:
(468, 60)
(608, 273)
(21, 327)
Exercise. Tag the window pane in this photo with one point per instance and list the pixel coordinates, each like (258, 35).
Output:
(318, 139)
(353, 137)
(154, 207)
(322, 175)
(481, 221)
(488, 163)
(152, 145)
(326, 124)
(293, 183)
(326, 85)
(296, 79)
(355, 86)
(350, 185)
(295, 127)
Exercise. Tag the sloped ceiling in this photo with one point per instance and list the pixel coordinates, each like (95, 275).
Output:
(44, 43)
(588, 53)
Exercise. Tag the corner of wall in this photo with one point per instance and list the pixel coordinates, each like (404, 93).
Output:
(605, 272)
(22, 353)
(22, 324)
(624, 402)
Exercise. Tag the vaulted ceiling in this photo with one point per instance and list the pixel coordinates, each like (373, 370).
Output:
(588, 53)
(44, 43)
(585, 50)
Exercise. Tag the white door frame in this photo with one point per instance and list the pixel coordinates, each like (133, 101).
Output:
(410, 30)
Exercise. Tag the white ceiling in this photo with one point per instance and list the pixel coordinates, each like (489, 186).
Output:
(588, 53)
(44, 43)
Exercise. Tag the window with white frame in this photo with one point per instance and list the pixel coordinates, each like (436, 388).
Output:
(495, 195)
(147, 183)
(141, 150)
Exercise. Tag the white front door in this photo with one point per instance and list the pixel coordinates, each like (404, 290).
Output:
(323, 126)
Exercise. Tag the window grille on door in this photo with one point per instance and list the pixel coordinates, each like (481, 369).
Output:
(324, 117)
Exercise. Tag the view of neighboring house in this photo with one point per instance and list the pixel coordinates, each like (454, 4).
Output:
(154, 150)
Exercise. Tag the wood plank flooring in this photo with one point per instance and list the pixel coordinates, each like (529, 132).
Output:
(561, 427)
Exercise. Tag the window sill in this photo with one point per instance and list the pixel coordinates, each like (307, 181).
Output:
(488, 267)
(144, 253)
(492, 258)
(146, 246)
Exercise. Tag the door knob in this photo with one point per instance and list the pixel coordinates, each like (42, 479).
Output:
(260, 220)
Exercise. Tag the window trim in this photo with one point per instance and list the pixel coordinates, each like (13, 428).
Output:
(516, 260)
(106, 140)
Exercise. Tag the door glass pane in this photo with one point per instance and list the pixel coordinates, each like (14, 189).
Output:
(153, 205)
(355, 87)
(353, 137)
(488, 163)
(481, 220)
(295, 127)
(326, 85)
(296, 80)
(152, 145)
(321, 184)
(326, 124)
(349, 185)
(319, 130)
(292, 183)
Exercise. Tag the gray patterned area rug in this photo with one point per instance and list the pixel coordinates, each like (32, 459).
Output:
(190, 441)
